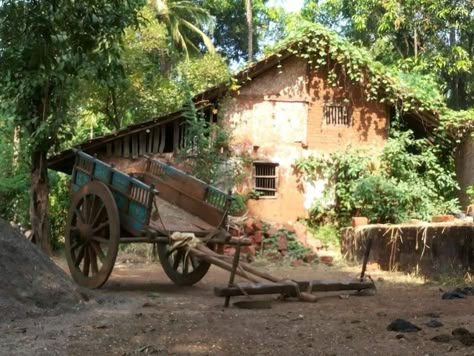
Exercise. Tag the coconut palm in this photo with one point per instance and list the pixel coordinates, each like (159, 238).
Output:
(183, 18)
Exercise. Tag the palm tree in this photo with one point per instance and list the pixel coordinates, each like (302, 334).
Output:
(181, 16)
(248, 11)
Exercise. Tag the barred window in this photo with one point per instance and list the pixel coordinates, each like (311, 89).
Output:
(265, 178)
(336, 114)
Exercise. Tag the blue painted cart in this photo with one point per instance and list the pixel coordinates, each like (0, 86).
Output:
(110, 207)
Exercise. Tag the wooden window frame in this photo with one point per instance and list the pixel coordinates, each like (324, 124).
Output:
(274, 176)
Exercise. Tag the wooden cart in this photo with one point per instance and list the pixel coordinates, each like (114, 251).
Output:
(110, 207)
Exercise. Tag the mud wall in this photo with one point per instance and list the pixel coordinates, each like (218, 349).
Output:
(430, 251)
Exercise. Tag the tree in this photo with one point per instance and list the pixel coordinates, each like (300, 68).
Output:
(182, 17)
(248, 12)
(234, 30)
(45, 47)
(429, 36)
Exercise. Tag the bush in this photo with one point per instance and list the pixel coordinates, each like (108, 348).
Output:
(408, 180)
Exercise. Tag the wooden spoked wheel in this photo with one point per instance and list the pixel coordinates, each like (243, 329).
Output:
(92, 235)
(182, 268)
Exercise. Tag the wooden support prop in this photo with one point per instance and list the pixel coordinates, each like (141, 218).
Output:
(222, 264)
(235, 265)
(289, 288)
(305, 296)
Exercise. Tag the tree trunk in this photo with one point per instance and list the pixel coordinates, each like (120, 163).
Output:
(39, 217)
(248, 8)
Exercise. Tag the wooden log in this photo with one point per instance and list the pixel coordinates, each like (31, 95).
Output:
(289, 289)
(220, 263)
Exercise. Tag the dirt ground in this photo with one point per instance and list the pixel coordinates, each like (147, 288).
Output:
(139, 311)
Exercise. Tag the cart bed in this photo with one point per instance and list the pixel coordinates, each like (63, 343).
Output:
(174, 218)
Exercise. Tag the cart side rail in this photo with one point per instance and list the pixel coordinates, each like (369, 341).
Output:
(191, 194)
(134, 198)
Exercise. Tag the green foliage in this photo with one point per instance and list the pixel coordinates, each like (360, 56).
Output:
(425, 36)
(59, 202)
(239, 202)
(470, 193)
(205, 145)
(296, 250)
(14, 177)
(409, 179)
(231, 32)
(328, 234)
(183, 18)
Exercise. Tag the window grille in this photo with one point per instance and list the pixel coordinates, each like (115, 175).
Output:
(265, 179)
(336, 115)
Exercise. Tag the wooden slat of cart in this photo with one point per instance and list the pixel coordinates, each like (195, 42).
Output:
(197, 207)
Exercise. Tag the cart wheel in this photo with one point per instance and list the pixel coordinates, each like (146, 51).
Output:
(92, 235)
(182, 269)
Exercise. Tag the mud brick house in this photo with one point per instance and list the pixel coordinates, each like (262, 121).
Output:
(279, 110)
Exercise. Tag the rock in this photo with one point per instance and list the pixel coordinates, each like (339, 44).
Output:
(433, 315)
(401, 325)
(282, 242)
(467, 340)
(453, 295)
(433, 323)
(270, 232)
(465, 290)
(258, 225)
(257, 238)
(326, 259)
(443, 338)
(359, 221)
(297, 263)
(460, 332)
(310, 258)
(29, 234)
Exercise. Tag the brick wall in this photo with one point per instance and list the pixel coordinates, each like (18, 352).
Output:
(278, 117)
(368, 120)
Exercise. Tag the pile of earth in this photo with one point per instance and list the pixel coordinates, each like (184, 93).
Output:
(30, 282)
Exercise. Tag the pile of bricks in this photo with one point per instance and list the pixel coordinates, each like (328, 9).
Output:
(271, 241)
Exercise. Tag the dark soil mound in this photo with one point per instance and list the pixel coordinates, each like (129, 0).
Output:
(30, 283)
